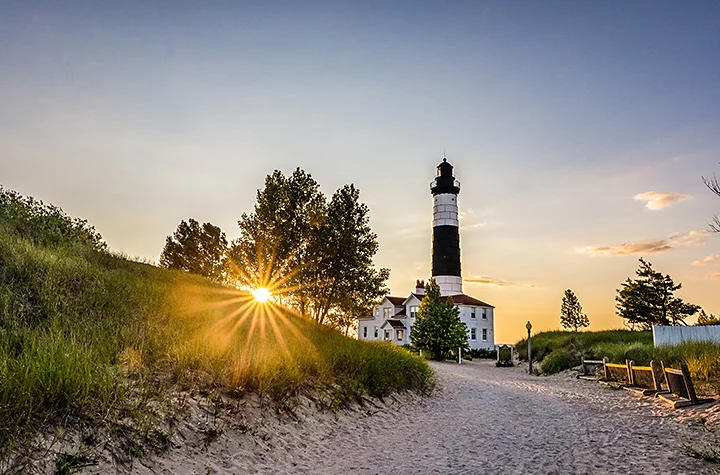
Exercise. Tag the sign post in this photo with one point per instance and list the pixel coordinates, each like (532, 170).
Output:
(529, 327)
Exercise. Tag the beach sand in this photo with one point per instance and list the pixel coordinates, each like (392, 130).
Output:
(480, 420)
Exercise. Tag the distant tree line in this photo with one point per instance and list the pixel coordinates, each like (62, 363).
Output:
(315, 254)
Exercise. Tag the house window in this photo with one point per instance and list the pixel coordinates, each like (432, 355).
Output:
(386, 312)
(484, 314)
(400, 334)
(377, 311)
(413, 312)
(472, 312)
(472, 333)
(484, 334)
(387, 334)
(376, 332)
(364, 332)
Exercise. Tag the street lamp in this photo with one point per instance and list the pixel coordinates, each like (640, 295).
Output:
(529, 327)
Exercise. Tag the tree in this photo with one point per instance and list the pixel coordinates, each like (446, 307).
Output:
(346, 281)
(438, 327)
(571, 313)
(196, 249)
(317, 255)
(649, 300)
(273, 249)
(714, 186)
(704, 319)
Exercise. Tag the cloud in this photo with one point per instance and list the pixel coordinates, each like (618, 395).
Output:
(657, 200)
(715, 275)
(485, 280)
(649, 246)
(707, 260)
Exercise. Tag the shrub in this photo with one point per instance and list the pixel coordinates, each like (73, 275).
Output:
(558, 360)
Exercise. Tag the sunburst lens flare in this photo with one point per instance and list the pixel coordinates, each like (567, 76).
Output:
(261, 295)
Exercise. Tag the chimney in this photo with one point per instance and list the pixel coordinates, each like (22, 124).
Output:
(420, 287)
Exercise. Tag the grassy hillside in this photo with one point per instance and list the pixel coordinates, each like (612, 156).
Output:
(81, 329)
(561, 350)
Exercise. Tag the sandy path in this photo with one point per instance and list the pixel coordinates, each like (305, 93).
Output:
(482, 420)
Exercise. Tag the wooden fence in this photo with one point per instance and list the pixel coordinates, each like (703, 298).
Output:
(672, 385)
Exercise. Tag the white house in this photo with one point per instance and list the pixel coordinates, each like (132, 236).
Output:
(394, 318)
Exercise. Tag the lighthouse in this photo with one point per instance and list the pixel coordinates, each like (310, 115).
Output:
(446, 231)
(393, 318)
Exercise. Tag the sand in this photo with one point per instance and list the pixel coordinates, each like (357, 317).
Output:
(481, 420)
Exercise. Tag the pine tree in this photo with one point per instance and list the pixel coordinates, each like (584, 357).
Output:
(571, 313)
(650, 300)
(438, 327)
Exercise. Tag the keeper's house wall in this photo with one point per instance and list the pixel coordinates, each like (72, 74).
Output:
(675, 335)
(479, 324)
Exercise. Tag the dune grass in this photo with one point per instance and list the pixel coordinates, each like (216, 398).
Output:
(560, 350)
(81, 328)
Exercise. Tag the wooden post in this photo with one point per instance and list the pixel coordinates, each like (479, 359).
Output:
(497, 353)
(656, 381)
(460, 355)
(631, 378)
(667, 380)
(688, 383)
(605, 369)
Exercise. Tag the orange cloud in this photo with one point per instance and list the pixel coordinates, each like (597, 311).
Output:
(707, 260)
(657, 200)
(485, 280)
(649, 246)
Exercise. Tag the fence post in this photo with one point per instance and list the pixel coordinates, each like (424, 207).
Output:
(605, 370)
(653, 370)
(631, 378)
(688, 383)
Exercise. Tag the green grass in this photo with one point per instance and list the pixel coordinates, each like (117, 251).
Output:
(81, 330)
(560, 350)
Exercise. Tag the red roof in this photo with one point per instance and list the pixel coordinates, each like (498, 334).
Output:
(396, 323)
(396, 300)
(463, 299)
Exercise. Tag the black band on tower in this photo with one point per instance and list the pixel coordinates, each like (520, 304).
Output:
(446, 251)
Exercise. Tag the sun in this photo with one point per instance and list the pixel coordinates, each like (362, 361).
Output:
(261, 294)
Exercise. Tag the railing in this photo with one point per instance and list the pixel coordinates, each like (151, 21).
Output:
(456, 182)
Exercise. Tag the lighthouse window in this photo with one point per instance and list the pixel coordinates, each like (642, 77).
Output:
(472, 333)
(484, 334)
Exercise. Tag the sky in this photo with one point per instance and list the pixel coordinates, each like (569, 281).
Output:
(580, 131)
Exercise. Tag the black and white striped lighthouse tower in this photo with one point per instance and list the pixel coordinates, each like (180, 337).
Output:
(446, 231)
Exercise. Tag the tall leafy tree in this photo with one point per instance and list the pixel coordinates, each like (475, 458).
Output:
(650, 300)
(273, 249)
(571, 312)
(438, 327)
(346, 281)
(316, 255)
(198, 249)
(704, 319)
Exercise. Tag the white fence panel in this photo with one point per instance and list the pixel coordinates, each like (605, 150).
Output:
(676, 335)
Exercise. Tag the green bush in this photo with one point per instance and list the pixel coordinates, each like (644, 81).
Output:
(559, 360)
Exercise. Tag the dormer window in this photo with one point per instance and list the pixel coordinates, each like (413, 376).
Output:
(413, 311)
(387, 312)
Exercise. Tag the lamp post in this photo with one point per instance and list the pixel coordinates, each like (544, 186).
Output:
(529, 327)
